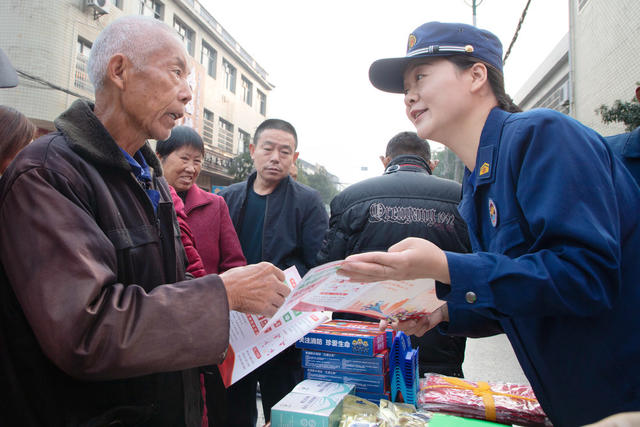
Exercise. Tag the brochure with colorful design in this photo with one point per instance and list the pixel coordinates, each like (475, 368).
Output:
(251, 344)
(253, 340)
(322, 289)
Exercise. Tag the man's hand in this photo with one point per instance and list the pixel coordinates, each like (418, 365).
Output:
(419, 327)
(411, 258)
(255, 289)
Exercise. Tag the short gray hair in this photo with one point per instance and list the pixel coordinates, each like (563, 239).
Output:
(127, 35)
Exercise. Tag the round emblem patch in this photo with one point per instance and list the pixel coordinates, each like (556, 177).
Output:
(493, 213)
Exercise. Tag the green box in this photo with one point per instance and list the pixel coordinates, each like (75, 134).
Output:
(311, 404)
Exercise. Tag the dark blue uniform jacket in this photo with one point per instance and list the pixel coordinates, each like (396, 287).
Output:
(553, 220)
(627, 147)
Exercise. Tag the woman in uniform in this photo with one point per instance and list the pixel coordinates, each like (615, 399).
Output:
(553, 221)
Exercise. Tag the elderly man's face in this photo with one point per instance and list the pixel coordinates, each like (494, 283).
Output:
(156, 94)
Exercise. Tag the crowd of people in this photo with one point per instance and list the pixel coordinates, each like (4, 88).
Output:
(118, 272)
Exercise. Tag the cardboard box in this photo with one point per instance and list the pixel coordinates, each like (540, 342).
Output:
(363, 382)
(363, 343)
(333, 391)
(311, 403)
(359, 325)
(377, 365)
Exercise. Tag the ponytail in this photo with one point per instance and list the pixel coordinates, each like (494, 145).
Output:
(496, 81)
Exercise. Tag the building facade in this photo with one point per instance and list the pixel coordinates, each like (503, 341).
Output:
(49, 44)
(595, 64)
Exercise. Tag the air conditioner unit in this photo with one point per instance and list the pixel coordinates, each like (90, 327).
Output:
(99, 7)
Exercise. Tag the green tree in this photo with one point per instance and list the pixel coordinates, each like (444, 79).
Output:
(319, 181)
(450, 165)
(241, 167)
(625, 112)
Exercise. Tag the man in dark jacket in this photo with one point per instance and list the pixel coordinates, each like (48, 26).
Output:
(98, 325)
(407, 201)
(281, 221)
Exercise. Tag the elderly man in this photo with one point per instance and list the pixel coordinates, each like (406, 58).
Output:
(97, 324)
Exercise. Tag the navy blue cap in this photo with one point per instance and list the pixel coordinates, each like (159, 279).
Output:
(8, 76)
(437, 39)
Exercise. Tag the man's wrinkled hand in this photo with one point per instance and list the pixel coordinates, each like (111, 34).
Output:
(255, 289)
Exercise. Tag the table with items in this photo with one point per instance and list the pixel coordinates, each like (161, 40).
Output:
(359, 376)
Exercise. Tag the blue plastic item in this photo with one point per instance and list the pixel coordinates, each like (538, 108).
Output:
(403, 369)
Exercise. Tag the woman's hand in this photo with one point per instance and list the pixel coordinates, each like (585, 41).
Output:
(419, 327)
(412, 258)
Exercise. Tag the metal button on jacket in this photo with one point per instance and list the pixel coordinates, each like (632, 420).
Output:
(470, 297)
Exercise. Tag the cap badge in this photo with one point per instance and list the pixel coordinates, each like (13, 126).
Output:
(493, 213)
(412, 41)
(484, 169)
(468, 48)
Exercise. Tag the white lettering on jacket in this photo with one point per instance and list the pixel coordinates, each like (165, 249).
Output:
(379, 212)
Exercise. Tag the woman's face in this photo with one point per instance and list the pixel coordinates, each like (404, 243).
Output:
(436, 97)
(182, 167)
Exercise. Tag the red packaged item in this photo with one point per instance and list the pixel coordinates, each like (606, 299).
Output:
(498, 402)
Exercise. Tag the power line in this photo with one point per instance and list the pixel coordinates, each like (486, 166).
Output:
(515, 36)
(49, 84)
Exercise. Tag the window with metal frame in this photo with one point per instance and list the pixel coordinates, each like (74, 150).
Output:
(152, 8)
(82, 81)
(247, 91)
(187, 35)
(208, 58)
(229, 76)
(225, 135)
(207, 127)
(263, 103)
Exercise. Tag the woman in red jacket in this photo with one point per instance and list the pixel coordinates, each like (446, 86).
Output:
(212, 233)
(207, 213)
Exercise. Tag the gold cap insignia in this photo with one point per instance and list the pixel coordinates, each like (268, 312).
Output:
(412, 41)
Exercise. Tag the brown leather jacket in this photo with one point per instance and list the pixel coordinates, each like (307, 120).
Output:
(97, 324)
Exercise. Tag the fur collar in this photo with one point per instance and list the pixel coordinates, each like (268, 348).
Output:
(90, 140)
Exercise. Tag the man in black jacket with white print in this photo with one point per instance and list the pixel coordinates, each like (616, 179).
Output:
(406, 201)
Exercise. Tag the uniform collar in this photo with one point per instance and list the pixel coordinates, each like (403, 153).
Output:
(408, 162)
(486, 157)
(631, 146)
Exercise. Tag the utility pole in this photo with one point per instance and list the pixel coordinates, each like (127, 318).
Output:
(474, 5)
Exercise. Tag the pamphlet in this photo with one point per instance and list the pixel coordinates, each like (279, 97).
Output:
(252, 343)
(254, 340)
(322, 289)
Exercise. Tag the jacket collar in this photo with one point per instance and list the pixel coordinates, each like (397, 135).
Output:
(90, 139)
(631, 146)
(407, 162)
(196, 197)
(486, 157)
(281, 185)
